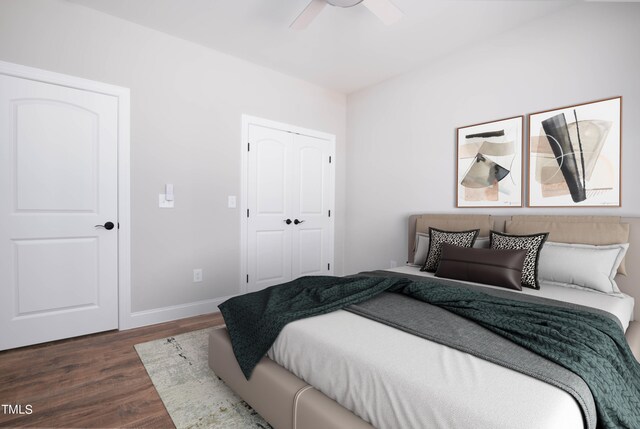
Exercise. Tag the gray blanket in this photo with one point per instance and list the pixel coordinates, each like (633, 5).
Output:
(443, 327)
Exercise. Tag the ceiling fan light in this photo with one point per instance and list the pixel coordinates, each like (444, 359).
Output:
(344, 3)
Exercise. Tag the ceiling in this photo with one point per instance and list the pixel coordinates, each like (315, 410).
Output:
(343, 49)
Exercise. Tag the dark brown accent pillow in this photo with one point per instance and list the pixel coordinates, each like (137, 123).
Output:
(496, 267)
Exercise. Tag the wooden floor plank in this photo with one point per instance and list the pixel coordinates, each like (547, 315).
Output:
(95, 381)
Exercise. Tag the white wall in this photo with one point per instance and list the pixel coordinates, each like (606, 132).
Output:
(401, 133)
(186, 107)
(187, 103)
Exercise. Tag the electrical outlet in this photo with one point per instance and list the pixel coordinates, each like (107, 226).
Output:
(197, 275)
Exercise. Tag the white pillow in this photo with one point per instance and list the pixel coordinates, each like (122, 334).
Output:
(422, 247)
(581, 265)
(482, 243)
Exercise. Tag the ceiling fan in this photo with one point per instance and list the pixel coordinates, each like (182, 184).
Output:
(383, 9)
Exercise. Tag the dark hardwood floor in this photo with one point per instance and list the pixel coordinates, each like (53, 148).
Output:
(95, 381)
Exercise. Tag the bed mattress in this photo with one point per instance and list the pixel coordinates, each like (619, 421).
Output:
(393, 379)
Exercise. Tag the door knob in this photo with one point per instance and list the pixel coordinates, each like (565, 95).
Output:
(296, 222)
(108, 226)
(288, 221)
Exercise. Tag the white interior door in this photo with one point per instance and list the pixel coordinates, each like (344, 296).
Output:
(269, 201)
(289, 198)
(58, 180)
(311, 242)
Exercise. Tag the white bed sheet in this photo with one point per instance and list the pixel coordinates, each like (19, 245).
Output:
(396, 380)
(393, 379)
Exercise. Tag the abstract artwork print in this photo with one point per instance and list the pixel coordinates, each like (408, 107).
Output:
(489, 164)
(574, 155)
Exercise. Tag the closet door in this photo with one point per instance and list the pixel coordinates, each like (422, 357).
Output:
(311, 245)
(289, 198)
(269, 202)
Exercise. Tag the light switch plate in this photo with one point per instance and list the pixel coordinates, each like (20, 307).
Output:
(163, 203)
(231, 201)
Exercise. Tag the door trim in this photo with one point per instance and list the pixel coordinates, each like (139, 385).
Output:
(124, 168)
(248, 120)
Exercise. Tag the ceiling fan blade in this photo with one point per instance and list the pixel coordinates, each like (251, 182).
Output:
(309, 13)
(385, 10)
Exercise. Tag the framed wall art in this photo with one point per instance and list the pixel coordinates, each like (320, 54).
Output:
(489, 164)
(575, 155)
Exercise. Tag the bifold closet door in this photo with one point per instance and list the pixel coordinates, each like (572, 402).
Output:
(289, 192)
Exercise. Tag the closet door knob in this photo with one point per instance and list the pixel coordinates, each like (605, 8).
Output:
(297, 222)
(288, 221)
(108, 226)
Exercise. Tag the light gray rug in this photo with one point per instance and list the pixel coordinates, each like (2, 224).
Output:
(192, 394)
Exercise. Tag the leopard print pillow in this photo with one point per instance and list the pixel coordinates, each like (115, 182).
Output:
(532, 244)
(437, 237)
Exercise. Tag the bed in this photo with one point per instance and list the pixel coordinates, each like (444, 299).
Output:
(333, 352)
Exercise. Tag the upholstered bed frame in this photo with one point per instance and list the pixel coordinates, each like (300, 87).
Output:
(287, 402)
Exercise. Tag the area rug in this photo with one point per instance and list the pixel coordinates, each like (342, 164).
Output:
(191, 392)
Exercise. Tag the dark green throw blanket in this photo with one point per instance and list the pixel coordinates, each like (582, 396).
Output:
(589, 344)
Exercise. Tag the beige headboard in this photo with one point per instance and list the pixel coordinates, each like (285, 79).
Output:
(621, 225)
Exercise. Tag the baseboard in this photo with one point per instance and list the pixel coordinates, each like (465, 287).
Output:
(174, 312)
